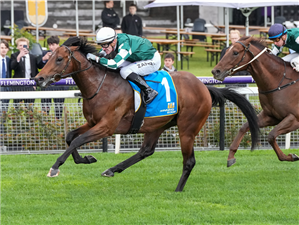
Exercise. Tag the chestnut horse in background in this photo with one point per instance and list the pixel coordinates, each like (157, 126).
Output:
(108, 108)
(278, 90)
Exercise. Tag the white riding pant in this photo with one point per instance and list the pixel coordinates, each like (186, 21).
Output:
(289, 57)
(142, 68)
(293, 59)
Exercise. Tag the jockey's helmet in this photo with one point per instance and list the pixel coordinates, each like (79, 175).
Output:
(276, 31)
(105, 35)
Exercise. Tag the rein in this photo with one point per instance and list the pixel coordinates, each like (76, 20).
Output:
(97, 89)
(75, 72)
(254, 58)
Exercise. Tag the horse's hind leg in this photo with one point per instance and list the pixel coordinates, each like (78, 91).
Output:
(231, 160)
(187, 132)
(287, 125)
(188, 160)
(147, 149)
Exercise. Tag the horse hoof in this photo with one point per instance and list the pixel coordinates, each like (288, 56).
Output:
(295, 157)
(53, 172)
(91, 159)
(231, 162)
(108, 173)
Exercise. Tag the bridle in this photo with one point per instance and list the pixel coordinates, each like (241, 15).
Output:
(236, 67)
(70, 57)
(246, 49)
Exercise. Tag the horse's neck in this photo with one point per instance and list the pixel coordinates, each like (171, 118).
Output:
(267, 72)
(90, 80)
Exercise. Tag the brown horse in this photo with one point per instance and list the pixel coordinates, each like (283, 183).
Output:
(109, 109)
(278, 90)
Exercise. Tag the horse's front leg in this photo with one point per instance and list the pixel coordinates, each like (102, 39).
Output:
(76, 156)
(231, 160)
(263, 121)
(93, 134)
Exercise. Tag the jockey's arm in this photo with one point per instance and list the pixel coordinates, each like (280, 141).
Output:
(124, 52)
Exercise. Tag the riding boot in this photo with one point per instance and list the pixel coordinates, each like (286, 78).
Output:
(150, 93)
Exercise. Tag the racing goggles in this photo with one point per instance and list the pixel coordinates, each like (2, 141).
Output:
(106, 45)
(276, 39)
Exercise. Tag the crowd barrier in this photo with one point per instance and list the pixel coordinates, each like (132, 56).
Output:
(71, 82)
(168, 140)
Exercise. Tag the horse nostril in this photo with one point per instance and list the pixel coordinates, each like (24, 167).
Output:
(216, 72)
(40, 79)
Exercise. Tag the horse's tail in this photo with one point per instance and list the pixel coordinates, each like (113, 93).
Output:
(218, 98)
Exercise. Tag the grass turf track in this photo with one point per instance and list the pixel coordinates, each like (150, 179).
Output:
(259, 189)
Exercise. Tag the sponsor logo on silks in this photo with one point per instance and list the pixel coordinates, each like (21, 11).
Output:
(171, 105)
(166, 102)
(139, 65)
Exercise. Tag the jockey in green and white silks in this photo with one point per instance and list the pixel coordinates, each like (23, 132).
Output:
(283, 37)
(135, 57)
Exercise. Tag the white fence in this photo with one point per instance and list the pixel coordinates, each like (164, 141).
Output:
(27, 128)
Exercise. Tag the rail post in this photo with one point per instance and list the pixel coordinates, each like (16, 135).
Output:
(105, 145)
(222, 127)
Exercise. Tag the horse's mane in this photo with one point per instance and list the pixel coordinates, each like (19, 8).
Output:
(258, 42)
(85, 47)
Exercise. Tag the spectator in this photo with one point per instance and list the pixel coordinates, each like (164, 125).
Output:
(5, 70)
(25, 65)
(168, 63)
(53, 43)
(109, 16)
(131, 23)
(234, 36)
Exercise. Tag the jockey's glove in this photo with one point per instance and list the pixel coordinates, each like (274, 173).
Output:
(276, 50)
(92, 57)
(102, 54)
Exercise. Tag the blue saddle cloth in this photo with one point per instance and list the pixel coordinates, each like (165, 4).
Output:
(166, 102)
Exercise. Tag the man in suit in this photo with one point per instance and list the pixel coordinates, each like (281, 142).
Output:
(5, 73)
(25, 65)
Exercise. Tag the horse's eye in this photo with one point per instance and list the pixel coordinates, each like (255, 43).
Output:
(59, 59)
(236, 53)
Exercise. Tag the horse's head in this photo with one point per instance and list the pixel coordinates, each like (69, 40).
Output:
(59, 64)
(64, 62)
(237, 57)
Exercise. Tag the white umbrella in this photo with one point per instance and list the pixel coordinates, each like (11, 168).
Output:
(245, 5)
(223, 3)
